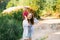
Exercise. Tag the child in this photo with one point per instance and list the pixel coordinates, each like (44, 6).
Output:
(25, 13)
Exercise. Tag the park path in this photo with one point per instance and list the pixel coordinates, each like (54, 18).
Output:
(47, 30)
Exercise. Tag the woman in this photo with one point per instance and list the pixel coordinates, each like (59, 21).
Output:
(28, 27)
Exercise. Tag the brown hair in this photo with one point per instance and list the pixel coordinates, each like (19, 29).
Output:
(31, 20)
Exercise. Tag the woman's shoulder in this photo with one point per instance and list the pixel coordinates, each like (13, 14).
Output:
(25, 21)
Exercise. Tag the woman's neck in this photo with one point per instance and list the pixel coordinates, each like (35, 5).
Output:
(29, 21)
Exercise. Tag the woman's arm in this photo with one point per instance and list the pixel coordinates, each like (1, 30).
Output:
(25, 28)
(36, 20)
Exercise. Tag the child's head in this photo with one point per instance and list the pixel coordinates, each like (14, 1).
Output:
(25, 13)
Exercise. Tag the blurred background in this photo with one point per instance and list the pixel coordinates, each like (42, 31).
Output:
(11, 15)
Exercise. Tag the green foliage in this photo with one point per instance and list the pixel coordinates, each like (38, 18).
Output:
(3, 4)
(37, 5)
(11, 26)
(11, 3)
(31, 3)
(41, 4)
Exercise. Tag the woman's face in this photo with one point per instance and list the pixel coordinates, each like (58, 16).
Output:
(29, 16)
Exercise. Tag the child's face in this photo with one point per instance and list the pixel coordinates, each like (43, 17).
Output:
(29, 16)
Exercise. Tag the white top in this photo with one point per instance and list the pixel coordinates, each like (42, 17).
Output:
(28, 30)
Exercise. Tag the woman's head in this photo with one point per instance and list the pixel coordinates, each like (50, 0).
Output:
(30, 18)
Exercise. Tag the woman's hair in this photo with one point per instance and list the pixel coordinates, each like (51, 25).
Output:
(31, 20)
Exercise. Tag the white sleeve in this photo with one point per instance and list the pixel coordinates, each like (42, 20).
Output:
(25, 27)
(35, 20)
(25, 23)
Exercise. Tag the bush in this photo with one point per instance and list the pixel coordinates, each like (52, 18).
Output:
(11, 26)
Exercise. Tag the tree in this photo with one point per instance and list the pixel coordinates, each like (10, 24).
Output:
(11, 25)
(3, 4)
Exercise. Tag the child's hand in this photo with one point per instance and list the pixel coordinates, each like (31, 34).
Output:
(25, 17)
